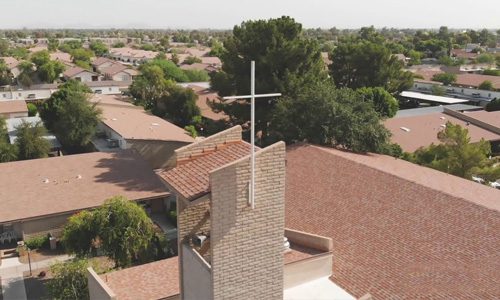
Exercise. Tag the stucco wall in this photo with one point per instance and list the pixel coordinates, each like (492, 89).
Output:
(199, 285)
(98, 289)
(42, 226)
(159, 154)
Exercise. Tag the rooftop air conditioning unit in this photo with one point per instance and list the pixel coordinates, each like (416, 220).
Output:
(112, 143)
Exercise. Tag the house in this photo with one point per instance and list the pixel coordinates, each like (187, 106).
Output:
(132, 56)
(63, 57)
(35, 92)
(204, 95)
(470, 93)
(200, 67)
(399, 230)
(475, 80)
(12, 64)
(108, 87)
(13, 123)
(37, 196)
(119, 72)
(461, 53)
(417, 131)
(13, 109)
(101, 62)
(126, 126)
(80, 74)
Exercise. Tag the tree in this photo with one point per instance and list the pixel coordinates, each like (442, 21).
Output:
(81, 57)
(150, 86)
(77, 122)
(438, 90)
(5, 75)
(485, 58)
(50, 111)
(178, 106)
(99, 48)
(286, 61)
(445, 78)
(26, 71)
(31, 142)
(70, 115)
(170, 70)
(69, 280)
(486, 85)
(191, 60)
(118, 45)
(197, 75)
(175, 58)
(455, 155)
(321, 114)
(366, 64)
(491, 72)
(8, 152)
(50, 71)
(383, 102)
(40, 58)
(120, 227)
(493, 105)
(32, 110)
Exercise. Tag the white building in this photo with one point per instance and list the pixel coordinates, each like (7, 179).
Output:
(32, 93)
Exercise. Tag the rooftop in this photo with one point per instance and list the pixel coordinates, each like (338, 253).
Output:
(191, 179)
(156, 280)
(399, 230)
(434, 109)
(114, 68)
(13, 123)
(11, 62)
(74, 182)
(75, 71)
(7, 107)
(432, 98)
(132, 122)
(105, 83)
(204, 95)
(418, 131)
(101, 60)
(475, 80)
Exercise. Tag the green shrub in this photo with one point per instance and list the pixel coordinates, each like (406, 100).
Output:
(37, 242)
(32, 110)
(172, 217)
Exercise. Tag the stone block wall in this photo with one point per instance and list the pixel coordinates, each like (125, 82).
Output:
(247, 244)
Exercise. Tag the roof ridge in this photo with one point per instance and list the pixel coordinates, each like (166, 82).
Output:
(493, 206)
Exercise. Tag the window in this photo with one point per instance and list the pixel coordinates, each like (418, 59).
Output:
(31, 96)
(110, 89)
(98, 91)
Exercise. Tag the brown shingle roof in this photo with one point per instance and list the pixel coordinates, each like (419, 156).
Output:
(100, 60)
(424, 130)
(156, 280)
(114, 68)
(25, 194)
(132, 122)
(475, 80)
(11, 62)
(75, 71)
(492, 117)
(204, 95)
(400, 231)
(191, 179)
(8, 107)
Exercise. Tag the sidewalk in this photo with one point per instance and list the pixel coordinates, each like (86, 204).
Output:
(11, 274)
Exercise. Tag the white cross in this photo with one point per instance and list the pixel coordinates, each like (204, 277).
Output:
(252, 96)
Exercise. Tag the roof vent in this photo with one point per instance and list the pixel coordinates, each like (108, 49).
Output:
(78, 176)
(46, 180)
(155, 124)
(443, 125)
(114, 119)
(405, 129)
(442, 118)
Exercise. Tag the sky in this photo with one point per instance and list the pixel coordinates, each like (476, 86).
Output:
(224, 14)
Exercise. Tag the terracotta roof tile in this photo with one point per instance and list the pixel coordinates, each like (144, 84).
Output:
(400, 231)
(191, 179)
(16, 106)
